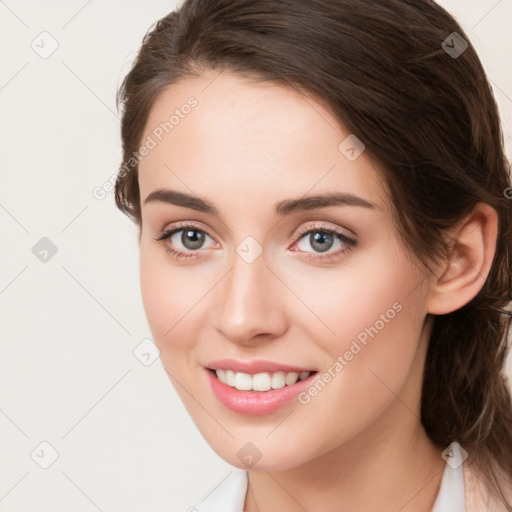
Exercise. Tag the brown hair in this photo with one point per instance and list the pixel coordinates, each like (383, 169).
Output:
(428, 118)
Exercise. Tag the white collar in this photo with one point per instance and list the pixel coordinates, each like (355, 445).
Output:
(229, 495)
(451, 496)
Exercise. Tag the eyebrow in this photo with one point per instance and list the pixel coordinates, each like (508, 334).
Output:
(281, 208)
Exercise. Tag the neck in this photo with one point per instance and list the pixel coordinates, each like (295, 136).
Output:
(403, 474)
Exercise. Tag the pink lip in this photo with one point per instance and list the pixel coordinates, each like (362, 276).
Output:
(257, 366)
(255, 403)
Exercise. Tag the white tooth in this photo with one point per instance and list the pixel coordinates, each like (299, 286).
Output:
(243, 381)
(291, 378)
(261, 381)
(230, 378)
(278, 380)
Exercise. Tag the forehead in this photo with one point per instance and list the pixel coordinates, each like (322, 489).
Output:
(221, 132)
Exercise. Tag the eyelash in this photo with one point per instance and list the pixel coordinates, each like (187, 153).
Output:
(350, 243)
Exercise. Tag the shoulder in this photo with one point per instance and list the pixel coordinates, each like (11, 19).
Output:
(478, 495)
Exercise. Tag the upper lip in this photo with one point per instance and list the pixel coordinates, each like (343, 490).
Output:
(253, 367)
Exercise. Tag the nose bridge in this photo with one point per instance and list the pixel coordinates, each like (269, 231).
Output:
(248, 301)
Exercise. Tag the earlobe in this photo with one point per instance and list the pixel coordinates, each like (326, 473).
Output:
(462, 275)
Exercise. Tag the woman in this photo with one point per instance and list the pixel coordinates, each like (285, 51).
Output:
(320, 190)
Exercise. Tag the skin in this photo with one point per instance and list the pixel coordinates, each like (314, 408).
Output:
(359, 444)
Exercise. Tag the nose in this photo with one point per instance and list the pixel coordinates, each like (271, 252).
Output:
(251, 303)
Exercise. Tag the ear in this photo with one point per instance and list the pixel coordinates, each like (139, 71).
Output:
(462, 274)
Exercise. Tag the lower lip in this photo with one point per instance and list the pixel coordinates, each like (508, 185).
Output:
(256, 403)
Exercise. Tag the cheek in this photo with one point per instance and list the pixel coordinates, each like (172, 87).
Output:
(376, 317)
(374, 372)
(374, 299)
(167, 296)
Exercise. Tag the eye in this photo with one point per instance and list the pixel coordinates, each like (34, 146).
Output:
(322, 239)
(187, 238)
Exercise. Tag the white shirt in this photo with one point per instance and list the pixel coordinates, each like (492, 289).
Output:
(229, 495)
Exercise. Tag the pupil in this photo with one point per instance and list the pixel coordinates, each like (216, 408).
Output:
(192, 239)
(320, 238)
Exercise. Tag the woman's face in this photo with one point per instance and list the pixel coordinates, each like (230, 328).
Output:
(266, 280)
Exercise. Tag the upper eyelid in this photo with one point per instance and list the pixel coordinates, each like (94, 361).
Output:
(316, 227)
(182, 226)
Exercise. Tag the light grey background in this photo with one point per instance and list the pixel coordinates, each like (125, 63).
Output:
(68, 374)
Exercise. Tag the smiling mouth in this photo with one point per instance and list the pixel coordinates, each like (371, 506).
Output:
(260, 382)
